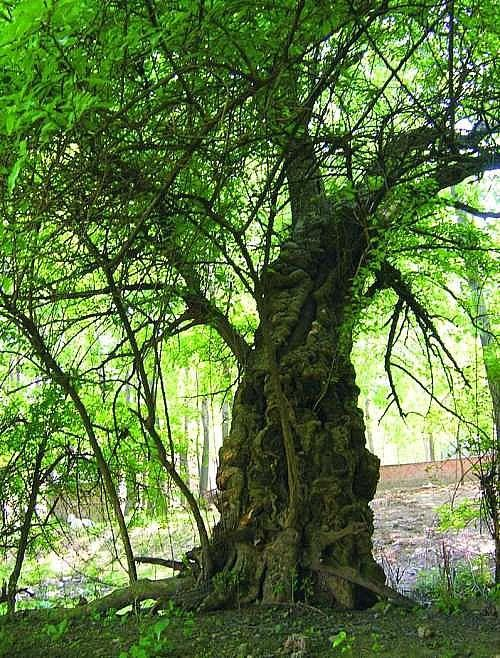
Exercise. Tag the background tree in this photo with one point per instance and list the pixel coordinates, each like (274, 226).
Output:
(34, 440)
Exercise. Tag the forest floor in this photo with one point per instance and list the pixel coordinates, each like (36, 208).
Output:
(407, 541)
(259, 632)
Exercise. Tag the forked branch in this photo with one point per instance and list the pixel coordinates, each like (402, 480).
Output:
(390, 277)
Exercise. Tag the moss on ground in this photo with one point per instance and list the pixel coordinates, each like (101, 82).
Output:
(260, 632)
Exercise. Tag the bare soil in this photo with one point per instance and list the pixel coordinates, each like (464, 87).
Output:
(407, 538)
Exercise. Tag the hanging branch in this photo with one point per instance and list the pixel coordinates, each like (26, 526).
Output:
(391, 341)
(392, 278)
(433, 345)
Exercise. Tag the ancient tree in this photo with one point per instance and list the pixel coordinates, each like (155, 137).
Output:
(162, 161)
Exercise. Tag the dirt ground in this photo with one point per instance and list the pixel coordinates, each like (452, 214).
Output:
(407, 539)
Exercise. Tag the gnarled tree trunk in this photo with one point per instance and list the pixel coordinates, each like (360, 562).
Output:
(294, 475)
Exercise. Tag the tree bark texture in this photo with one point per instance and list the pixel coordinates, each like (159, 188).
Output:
(294, 474)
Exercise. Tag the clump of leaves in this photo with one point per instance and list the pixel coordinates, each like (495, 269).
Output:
(56, 631)
(342, 643)
(456, 517)
(376, 645)
(152, 641)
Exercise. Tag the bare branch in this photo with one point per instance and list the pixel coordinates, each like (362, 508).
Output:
(465, 207)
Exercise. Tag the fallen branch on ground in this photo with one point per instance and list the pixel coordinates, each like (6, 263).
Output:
(181, 591)
(351, 575)
(176, 565)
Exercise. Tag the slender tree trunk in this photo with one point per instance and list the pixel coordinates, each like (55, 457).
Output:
(368, 430)
(183, 453)
(184, 445)
(430, 448)
(226, 409)
(497, 550)
(132, 501)
(489, 349)
(226, 418)
(489, 469)
(205, 455)
(488, 342)
(36, 482)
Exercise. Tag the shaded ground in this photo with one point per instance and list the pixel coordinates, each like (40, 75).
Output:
(267, 632)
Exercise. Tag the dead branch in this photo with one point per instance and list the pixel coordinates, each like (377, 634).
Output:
(352, 576)
(176, 565)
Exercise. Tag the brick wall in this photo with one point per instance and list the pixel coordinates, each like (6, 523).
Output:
(448, 470)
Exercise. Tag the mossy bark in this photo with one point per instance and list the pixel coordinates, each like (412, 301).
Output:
(295, 477)
(296, 428)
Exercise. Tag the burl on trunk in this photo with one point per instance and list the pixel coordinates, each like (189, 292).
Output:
(295, 478)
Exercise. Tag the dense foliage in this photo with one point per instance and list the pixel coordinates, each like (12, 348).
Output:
(237, 183)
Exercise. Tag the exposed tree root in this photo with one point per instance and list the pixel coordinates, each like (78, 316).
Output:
(173, 589)
(176, 565)
(184, 592)
(352, 576)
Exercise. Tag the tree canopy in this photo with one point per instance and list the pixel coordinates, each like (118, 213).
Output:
(265, 170)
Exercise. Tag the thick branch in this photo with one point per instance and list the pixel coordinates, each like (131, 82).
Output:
(203, 311)
(462, 168)
(433, 154)
(465, 207)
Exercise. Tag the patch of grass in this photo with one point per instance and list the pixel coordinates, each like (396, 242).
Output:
(451, 586)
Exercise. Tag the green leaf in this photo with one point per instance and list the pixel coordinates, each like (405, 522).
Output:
(16, 169)
(10, 121)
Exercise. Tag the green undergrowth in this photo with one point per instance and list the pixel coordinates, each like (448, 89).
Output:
(460, 586)
(257, 632)
(459, 515)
